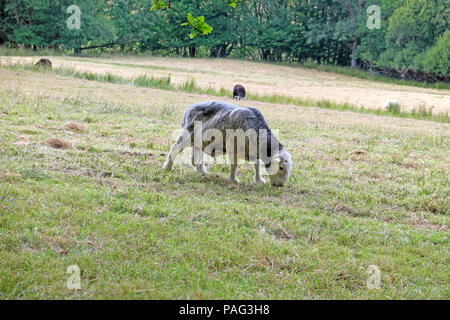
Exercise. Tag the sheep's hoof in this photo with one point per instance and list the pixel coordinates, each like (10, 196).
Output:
(235, 180)
(202, 170)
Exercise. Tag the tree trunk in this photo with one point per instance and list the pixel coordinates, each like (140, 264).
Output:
(223, 50)
(3, 36)
(214, 52)
(265, 54)
(354, 57)
(341, 53)
(192, 51)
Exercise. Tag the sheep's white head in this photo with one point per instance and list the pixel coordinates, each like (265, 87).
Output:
(279, 168)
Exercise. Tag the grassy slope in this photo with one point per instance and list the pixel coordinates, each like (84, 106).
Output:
(190, 86)
(362, 74)
(264, 82)
(137, 232)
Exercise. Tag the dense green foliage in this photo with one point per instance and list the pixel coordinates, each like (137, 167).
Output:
(437, 57)
(411, 34)
(413, 29)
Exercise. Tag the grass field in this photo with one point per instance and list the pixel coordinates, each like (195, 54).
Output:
(262, 79)
(81, 184)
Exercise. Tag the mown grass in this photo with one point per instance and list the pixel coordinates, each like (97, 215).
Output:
(365, 190)
(363, 74)
(164, 83)
(358, 73)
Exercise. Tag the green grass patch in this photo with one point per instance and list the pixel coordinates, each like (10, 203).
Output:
(153, 82)
(137, 232)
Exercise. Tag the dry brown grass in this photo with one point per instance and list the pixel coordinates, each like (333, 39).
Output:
(358, 152)
(76, 127)
(58, 144)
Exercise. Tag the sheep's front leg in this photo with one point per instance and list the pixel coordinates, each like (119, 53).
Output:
(233, 177)
(258, 174)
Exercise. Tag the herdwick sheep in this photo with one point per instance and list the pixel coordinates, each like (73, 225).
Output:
(238, 92)
(390, 104)
(44, 63)
(216, 128)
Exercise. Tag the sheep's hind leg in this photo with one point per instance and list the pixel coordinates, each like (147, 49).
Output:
(234, 165)
(179, 146)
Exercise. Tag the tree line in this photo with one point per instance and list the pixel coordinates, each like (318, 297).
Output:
(412, 36)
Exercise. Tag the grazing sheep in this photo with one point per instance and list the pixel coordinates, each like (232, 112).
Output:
(238, 92)
(44, 63)
(391, 105)
(217, 127)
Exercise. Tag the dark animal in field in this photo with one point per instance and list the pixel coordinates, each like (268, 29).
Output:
(216, 128)
(44, 63)
(238, 92)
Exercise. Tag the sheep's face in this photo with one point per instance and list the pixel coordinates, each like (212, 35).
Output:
(280, 168)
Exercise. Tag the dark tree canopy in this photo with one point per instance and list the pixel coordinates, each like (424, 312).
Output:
(413, 34)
